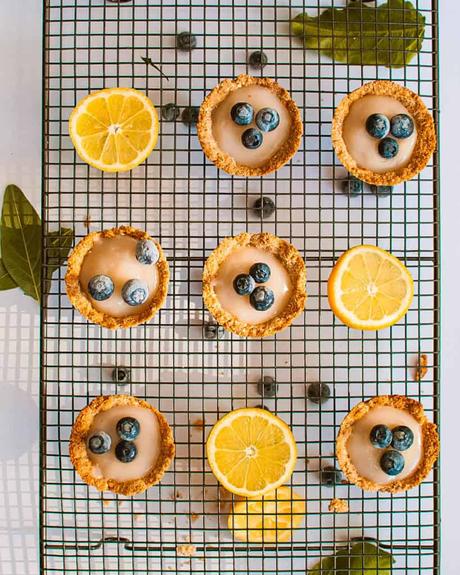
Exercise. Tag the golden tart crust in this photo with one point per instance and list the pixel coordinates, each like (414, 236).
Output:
(82, 463)
(81, 302)
(292, 262)
(430, 443)
(426, 134)
(225, 161)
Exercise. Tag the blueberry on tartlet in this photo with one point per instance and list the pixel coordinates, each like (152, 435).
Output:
(378, 126)
(128, 428)
(126, 451)
(262, 298)
(252, 138)
(267, 119)
(147, 252)
(388, 148)
(242, 113)
(100, 443)
(135, 292)
(402, 126)
(403, 438)
(381, 436)
(260, 272)
(392, 462)
(244, 284)
(100, 287)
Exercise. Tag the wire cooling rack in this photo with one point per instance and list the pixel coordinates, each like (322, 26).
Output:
(184, 201)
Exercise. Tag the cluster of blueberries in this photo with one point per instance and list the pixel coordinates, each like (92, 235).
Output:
(128, 428)
(266, 119)
(135, 291)
(379, 126)
(260, 297)
(400, 439)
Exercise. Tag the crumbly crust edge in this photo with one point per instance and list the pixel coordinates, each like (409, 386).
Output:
(82, 303)
(294, 265)
(430, 443)
(426, 134)
(84, 466)
(223, 160)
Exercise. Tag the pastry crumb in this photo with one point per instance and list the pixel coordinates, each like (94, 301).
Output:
(137, 517)
(87, 221)
(175, 495)
(106, 502)
(120, 502)
(421, 367)
(186, 550)
(194, 517)
(198, 423)
(338, 505)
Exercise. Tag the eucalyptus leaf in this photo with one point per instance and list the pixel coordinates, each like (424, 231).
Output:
(56, 249)
(362, 558)
(6, 281)
(389, 35)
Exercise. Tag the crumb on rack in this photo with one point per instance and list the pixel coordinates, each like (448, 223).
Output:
(175, 495)
(198, 423)
(138, 517)
(186, 550)
(421, 367)
(338, 506)
(87, 221)
(194, 517)
(106, 502)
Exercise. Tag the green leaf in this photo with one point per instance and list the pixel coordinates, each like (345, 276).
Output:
(389, 35)
(57, 247)
(21, 241)
(362, 558)
(6, 281)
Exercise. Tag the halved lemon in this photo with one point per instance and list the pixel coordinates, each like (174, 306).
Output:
(267, 519)
(251, 451)
(114, 130)
(369, 288)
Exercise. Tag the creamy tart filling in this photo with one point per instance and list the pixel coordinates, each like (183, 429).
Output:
(228, 134)
(362, 147)
(116, 257)
(148, 444)
(239, 262)
(366, 458)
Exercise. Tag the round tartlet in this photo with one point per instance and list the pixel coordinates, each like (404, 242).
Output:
(426, 136)
(429, 436)
(225, 161)
(291, 261)
(79, 452)
(83, 303)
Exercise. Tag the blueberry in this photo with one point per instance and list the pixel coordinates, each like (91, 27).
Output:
(135, 292)
(252, 138)
(402, 126)
(264, 207)
(388, 148)
(120, 375)
(378, 126)
(100, 287)
(352, 186)
(267, 387)
(100, 442)
(190, 115)
(330, 476)
(170, 112)
(267, 119)
(318, 392)
(403, 438)
(260, 272)
(243, 284)
(242, 113)
(381, 436)
(186, 41)
(147, 252)
(213, 331)
(262, 298)
(128, 428)
(125, 451)
(381, 191)
(392, 462)
(258, 59)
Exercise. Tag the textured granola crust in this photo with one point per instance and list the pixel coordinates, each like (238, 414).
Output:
(223, 160)
(80, 300)
(430, 443)
(291, 260)
(338, 506)
(426, 135)
(82, 463)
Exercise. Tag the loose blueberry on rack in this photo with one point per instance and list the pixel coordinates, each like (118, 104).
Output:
(260, 272)
(100, 287)
(212, 330)
(388, 148)
(120, 375)
(100, 443)
(258, 59)
(252, 138)
(170, 112)
(267, 387)
(402, 126)
(262, 298)
(330, 476)
(244, 284)
(392, 462)
(135, 292)
(190, 115)
(147, 252)
(242, 113)
(267, 119)
(381, 191)
(264, 207)
(126, 451)
(186, 41)
(318, 392)
(377, 125)
(381, 436)
(403, 438)
(128, 428)
(352, 186)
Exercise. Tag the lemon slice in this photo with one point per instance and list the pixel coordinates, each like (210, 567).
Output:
(369, 288)
(114, 130)
(251, 451)
(269, 519)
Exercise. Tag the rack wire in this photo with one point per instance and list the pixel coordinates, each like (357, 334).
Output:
(185, 202)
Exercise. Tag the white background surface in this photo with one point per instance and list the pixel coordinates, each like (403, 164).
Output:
(20, 141)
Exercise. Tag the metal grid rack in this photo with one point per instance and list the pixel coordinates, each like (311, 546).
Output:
(190, 206)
